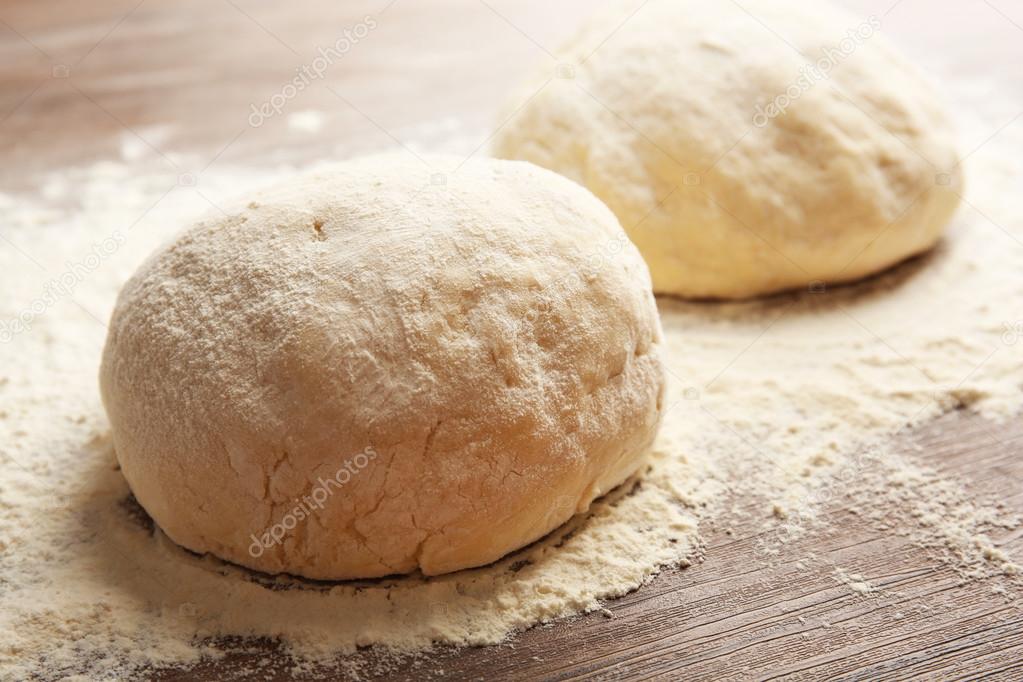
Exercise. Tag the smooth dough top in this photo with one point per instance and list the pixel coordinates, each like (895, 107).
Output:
(477, 348)
(669, 113)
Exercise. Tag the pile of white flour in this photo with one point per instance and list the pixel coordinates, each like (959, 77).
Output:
(772, 401)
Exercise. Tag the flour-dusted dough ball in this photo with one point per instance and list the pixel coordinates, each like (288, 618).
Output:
(382, 368)
(747, 147)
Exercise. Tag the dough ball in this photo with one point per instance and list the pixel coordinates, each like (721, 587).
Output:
(745, 152)
(381, 368)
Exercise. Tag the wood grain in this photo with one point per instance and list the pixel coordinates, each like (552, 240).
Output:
(79, 78)
(735, 617)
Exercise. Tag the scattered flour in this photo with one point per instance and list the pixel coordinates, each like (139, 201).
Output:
(854, 581)
(783, 401)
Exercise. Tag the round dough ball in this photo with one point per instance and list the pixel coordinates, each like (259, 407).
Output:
(746, 148)
(381, 368)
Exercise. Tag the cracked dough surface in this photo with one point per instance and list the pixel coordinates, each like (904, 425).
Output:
(489, 335)
(658, 116)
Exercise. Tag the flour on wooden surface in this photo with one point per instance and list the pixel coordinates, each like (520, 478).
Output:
(790, 402)
(854, 581)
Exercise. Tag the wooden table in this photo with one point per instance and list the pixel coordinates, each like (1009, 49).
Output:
(79, 78)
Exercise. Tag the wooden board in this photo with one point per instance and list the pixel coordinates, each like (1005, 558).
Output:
(80, 78)
(732, 617)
